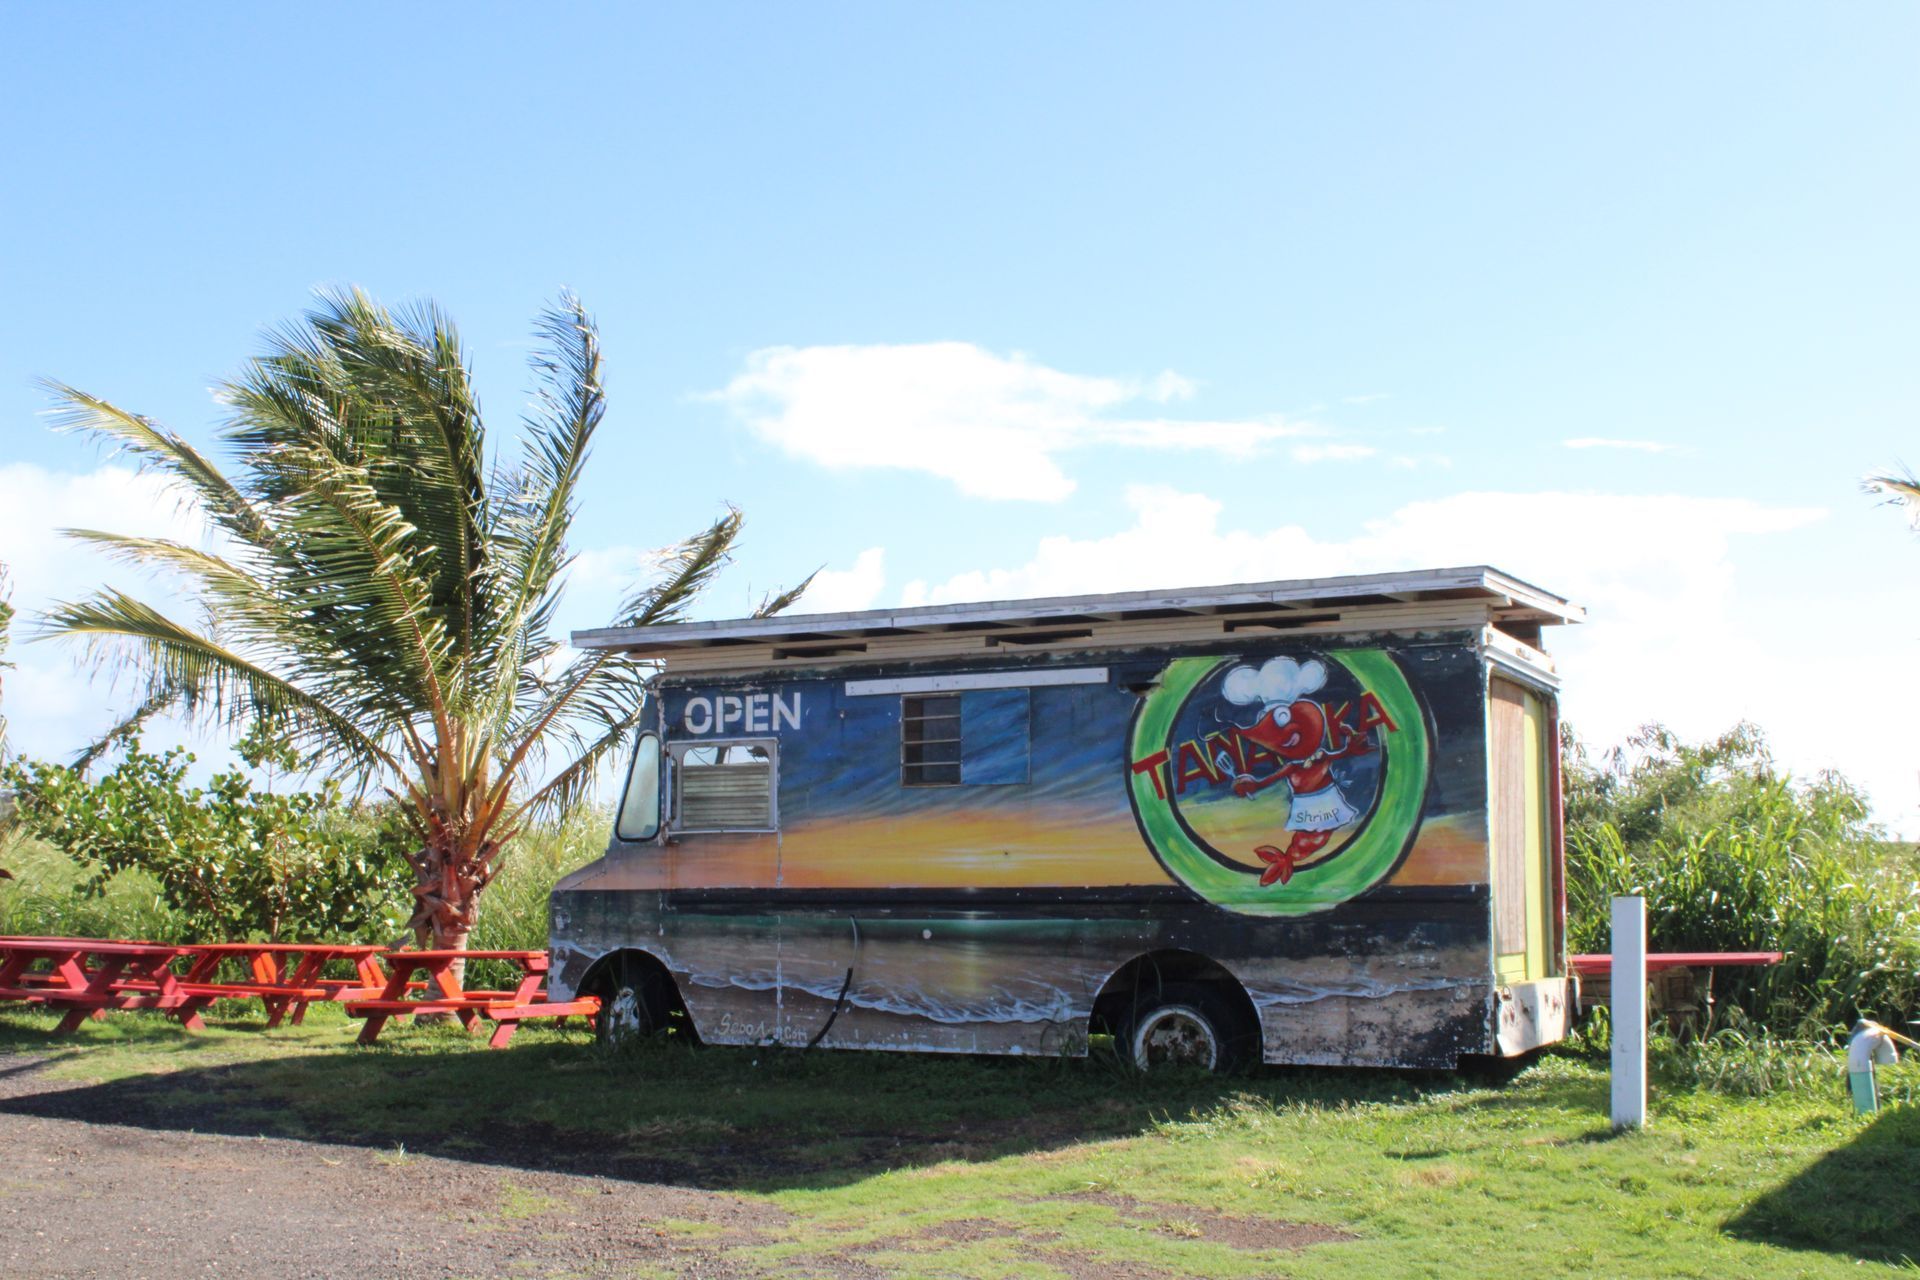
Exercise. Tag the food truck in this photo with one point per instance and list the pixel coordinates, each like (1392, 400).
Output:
(1311, 821)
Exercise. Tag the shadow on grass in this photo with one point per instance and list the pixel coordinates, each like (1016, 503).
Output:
(712, 1118)
(1857, 1200)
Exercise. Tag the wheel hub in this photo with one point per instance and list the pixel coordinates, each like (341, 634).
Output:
(1175, 1037)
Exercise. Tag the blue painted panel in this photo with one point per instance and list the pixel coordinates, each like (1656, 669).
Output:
(995, 736)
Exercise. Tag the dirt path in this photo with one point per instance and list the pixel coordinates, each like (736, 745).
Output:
(85, 1199)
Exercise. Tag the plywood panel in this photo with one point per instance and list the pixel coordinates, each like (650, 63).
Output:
(1507, 814)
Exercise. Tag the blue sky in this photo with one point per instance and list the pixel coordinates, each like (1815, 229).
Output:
(998, 299)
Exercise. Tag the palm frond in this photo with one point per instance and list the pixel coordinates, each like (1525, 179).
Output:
(571, 784)
(204, 678)
(781, 601)
(538, 500)
(217, 575)
(128, 725)
(390, 399)
(1900, 490)
(362, 565)
(165, 451)
(686, 571)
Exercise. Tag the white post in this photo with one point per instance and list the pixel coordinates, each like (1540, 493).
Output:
(1629, 1013)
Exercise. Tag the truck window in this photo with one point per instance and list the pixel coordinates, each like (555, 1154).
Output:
(725, 786)
(640, 806)
(978, 738)
(930, 740)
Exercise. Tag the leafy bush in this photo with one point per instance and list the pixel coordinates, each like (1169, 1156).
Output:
(228, 860)
(1733, 855)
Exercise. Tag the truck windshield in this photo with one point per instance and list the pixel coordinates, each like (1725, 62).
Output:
(640, 807)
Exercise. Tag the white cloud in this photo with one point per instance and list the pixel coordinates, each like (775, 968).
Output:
(847, 590)
(53, 702)
(1601, 442)
(1676, 632)
(1332, 452)
(991, 424)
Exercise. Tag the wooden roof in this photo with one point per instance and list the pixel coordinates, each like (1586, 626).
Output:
(1506, 599)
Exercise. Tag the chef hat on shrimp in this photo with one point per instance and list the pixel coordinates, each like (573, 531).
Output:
(1274, 685)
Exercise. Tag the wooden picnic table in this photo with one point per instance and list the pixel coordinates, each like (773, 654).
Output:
(441, 992)
(88, 976)
(285, 976)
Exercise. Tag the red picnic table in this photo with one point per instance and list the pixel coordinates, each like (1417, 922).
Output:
(88, 976)
(1671, 975)
(1595, 965)
(285, 976)
(442, 993)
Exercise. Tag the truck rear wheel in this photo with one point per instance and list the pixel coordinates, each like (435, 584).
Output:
(1185, 1025)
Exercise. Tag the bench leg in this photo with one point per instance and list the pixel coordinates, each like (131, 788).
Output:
(299, 1011)
(276, 1010)
(502, 1033)
(71, 1023)
(189, 1014)
(371, 1032)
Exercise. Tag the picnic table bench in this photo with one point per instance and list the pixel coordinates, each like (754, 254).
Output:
(88, 976)
(285, 976)
(441, 992)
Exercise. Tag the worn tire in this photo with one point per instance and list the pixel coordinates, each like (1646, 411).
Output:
(633, 1004)
(1186, 1025)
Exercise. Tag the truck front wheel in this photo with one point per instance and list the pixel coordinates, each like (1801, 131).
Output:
(636, 999)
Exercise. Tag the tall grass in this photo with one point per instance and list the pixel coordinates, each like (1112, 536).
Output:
(44, 899)
(513, 910)
(1732, 856)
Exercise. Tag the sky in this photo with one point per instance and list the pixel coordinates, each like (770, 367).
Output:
(992, 300)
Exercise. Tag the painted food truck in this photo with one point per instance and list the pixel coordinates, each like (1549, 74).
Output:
(1300, 822)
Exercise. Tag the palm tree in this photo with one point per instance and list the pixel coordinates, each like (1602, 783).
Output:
(382, 588)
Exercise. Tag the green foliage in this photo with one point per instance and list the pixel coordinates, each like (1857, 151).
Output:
(44, 899)
(1733, 855)
(228, 860)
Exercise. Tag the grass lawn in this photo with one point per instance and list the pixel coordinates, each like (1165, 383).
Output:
(915, 1165)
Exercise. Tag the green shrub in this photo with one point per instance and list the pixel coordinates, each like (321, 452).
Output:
(1732, 855)
(228, 861)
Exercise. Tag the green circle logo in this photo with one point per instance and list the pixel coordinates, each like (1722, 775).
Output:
(1280, 787)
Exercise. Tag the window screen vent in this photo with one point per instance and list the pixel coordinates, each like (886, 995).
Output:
(726, 788)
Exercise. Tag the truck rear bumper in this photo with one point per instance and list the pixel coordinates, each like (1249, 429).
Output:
(1532, 1014)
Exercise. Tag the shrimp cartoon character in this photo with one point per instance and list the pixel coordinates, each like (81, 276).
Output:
(1292, 727)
